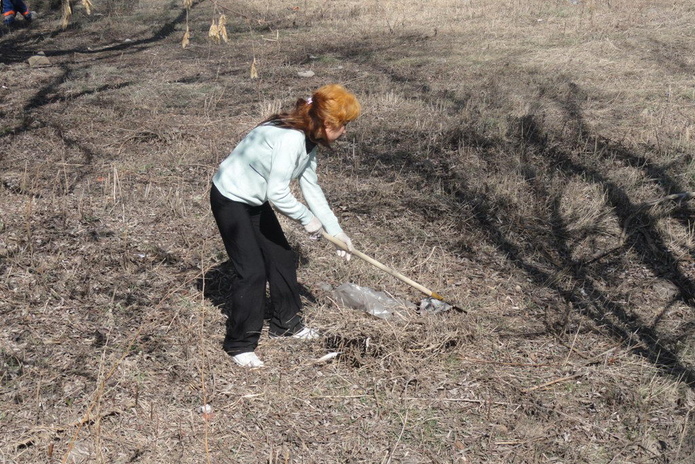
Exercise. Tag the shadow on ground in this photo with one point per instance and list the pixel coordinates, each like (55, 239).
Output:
(217, 283)
(578, 290)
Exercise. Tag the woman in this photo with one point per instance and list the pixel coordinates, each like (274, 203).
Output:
(253, 177)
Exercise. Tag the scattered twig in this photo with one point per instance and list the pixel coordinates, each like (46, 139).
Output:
(500, 363)
(400, 435)
(202, 364)
(627, 224)
(683, 196)
(553, 382)
(462, 400)
(571, 349)
(603, 255)
(86, 420)
(518, 442)
(569, 353)
(682, 437)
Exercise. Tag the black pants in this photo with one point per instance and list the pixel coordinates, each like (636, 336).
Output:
(259, 253)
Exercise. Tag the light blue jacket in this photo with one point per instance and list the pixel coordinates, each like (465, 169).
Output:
(261, 167)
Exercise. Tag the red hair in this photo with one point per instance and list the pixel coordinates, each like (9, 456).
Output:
(331, 105)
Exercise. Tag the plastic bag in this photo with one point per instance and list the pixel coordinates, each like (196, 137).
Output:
(377, 304)
(433, 306)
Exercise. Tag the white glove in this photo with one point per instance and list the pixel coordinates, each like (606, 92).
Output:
(342, 253)
(314, 228)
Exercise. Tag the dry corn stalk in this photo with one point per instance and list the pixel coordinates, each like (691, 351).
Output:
(254, 71)
(222, 28)
(218, 30)
(186, 38)
(87, 4)
(187, 4)
(67, 14)
(213, 33)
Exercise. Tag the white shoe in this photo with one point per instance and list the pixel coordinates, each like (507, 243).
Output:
(307, 334)
(248, 359)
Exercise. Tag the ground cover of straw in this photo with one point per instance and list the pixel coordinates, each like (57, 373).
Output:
(514, 156)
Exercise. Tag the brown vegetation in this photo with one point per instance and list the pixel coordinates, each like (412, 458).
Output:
(511, 156)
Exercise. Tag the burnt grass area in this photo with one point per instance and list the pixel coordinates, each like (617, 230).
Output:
(536, 171)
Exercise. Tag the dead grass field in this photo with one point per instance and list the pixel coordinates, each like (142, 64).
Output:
(516, 157)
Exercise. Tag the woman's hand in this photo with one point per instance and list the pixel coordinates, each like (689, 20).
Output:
(314, 228)
(345, 239)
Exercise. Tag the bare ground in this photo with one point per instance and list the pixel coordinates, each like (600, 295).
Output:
(515, 158)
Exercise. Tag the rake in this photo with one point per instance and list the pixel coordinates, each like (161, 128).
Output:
(390, 271)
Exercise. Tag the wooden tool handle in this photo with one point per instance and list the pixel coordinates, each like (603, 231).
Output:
(374, 262)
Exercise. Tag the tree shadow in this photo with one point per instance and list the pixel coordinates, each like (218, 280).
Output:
(580, 291)
(641, 234)
(19, 45)
(638, 225)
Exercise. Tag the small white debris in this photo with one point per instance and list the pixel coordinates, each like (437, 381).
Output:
(205, 409)
(308, 73)
(327, 357)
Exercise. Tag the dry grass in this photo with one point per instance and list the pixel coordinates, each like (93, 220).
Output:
(508, 157)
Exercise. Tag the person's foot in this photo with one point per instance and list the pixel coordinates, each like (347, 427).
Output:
(307, 334)
(248, 359)
(29, 16)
